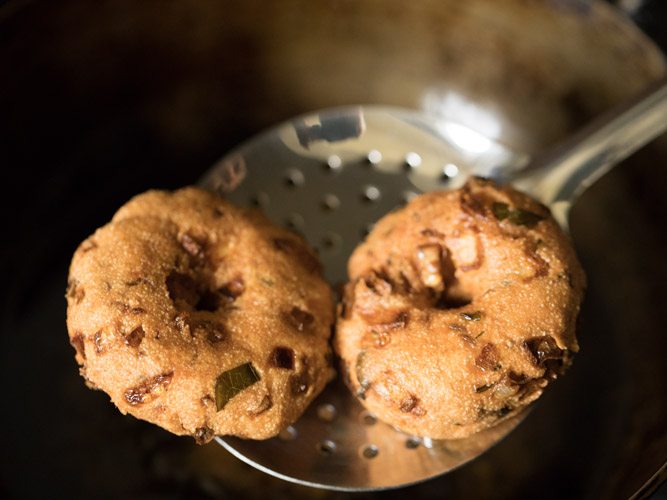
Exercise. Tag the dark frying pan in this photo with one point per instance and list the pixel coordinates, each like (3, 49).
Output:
(101, 100)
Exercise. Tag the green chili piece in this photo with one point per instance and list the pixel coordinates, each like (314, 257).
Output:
(518, 217)
(521, 217)
(500, 210)
(363, 381)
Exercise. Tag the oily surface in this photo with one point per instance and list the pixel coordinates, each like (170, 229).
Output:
(460, 309)
(200, 317)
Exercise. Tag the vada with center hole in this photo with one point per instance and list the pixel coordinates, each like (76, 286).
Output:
(460, 309)
(201, 317)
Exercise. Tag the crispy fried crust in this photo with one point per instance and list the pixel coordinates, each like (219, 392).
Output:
(181, 287)
(460, 309)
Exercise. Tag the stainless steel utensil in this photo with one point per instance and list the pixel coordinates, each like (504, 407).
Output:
(330, 175)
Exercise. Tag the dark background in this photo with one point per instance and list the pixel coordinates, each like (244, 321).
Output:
(70, 155)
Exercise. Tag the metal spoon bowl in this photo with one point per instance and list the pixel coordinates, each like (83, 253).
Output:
(330, 175)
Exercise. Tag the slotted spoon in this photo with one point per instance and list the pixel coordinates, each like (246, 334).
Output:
(330, 175)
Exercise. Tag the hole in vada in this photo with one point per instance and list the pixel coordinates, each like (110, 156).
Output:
(208, 301)
(452, 301)
(182, 290)
(188, 295)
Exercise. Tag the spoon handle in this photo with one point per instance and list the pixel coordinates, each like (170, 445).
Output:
(562, 175)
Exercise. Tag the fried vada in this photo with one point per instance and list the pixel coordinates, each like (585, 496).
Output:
(460, 309)
(201, 317)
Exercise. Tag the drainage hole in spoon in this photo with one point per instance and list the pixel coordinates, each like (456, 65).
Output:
(289, 433)
(326, 447)
(326, 412)
(370, 451)
(367, 418)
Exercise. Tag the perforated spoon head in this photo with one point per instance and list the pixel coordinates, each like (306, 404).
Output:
(330, 176)
(338, 445)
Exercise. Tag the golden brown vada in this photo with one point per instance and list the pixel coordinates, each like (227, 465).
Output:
(200, 317)
(460, 309)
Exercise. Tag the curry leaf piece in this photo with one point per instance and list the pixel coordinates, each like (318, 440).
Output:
(229, 383)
